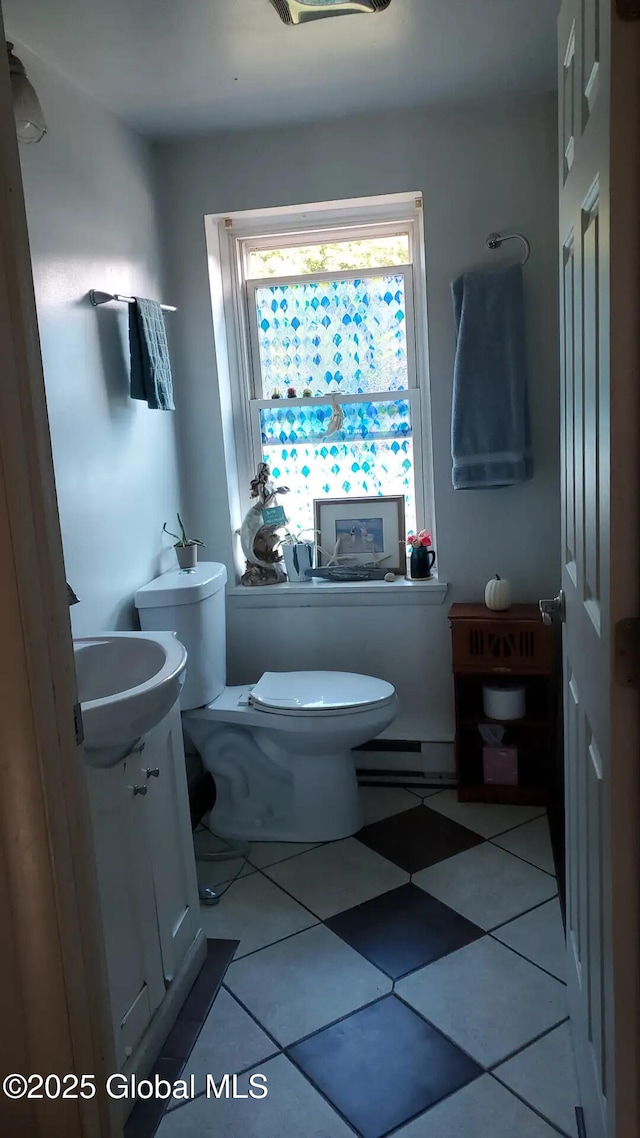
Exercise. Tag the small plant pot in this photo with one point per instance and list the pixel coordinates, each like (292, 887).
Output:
(187, 556)
(298, 556)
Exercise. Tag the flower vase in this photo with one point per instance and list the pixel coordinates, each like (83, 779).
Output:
(421, 562)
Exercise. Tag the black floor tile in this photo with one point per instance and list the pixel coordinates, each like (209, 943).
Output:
(417, 838)
(403, 930)
(181, 1039)
(382, 1066)
(147, 1113)
(200, 998)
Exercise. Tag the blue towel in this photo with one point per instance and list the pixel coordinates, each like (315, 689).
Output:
(490, 432)
(150, 366)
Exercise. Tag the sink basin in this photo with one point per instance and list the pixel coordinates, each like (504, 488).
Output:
(127, 682)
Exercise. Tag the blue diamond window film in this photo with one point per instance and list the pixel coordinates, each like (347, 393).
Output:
(372, 454)
(372, 342)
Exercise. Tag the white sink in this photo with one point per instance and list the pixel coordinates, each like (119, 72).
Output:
(127, 682)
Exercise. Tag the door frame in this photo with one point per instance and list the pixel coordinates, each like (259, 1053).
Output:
(624, 295)
(54, 1008)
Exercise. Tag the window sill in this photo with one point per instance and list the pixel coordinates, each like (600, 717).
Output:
(319, 594)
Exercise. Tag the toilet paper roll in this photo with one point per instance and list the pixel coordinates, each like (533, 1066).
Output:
(504, 701)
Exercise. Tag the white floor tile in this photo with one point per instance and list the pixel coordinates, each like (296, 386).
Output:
(483, 1109)
(255, 912)
(539, 936)
(304, 983)
(268, 853)
(532, 842)
(212, 873)
(487, 999)
(426, 793)
(482, 817)
(229, 1041)
(545, 1076)
(487, 885)
(217, 873)
(292, 1107)
(337, 876)
(380, 802)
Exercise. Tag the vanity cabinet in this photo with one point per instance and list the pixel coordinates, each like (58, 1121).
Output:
(148, 889)
(168, 832)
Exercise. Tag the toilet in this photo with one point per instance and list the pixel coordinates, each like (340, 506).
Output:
(279, 750)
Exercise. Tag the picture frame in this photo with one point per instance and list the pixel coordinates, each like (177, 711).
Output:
(361, 532)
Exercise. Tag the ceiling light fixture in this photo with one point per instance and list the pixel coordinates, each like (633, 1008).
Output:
(30, 124)
(303, 11)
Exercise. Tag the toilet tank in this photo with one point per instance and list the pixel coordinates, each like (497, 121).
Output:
(190, 602)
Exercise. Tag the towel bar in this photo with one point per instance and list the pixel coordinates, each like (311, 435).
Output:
(97, 298)
(494, 241)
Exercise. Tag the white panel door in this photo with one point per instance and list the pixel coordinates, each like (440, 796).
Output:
(599, 124)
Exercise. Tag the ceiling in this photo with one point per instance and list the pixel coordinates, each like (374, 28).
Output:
(182, 66)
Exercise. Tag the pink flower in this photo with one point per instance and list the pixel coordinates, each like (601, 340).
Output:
(415, 540)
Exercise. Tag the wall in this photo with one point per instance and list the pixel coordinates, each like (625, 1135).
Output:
(479, 169)
(92, 224)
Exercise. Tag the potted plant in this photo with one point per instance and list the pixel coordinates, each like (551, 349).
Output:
(297, 552)
(186, 547)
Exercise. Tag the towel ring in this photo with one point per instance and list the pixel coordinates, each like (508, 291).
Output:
(494, 241)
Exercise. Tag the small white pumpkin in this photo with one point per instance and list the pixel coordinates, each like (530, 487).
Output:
(497, 594)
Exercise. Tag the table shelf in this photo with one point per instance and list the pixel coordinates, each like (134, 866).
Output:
(517, 646)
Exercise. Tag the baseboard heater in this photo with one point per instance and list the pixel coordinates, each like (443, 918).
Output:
(406, 780)
(414, 763)
(391, 745)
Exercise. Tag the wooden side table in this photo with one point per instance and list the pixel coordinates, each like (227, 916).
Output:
(516, 646)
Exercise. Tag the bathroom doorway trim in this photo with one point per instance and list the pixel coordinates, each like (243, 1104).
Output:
(53, 990)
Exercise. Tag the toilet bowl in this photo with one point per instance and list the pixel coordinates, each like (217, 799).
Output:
(281, 756)
(279, 750)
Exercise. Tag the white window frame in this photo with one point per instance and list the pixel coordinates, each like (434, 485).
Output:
(251, 286)
(229, 240)
(327, 236)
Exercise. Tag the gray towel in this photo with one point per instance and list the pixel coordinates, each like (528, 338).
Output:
(150, 366)
(490, 432)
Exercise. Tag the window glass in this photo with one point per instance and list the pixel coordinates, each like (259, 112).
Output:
(319, 257)
(343, 336)
(372, 454)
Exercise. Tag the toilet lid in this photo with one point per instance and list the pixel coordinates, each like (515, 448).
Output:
(312, 693)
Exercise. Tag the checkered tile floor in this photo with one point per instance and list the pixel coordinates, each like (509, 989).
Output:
(406, 981)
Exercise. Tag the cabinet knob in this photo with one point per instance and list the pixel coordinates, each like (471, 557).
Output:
(140, 789)
(152, 772)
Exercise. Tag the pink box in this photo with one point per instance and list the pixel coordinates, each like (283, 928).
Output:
(500, 765)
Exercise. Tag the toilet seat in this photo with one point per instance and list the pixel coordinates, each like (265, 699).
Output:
(318, 693)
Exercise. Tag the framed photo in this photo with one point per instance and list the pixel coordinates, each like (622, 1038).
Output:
(363, 532)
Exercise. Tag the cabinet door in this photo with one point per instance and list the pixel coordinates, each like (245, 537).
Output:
(125, 882)
(170, 840)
